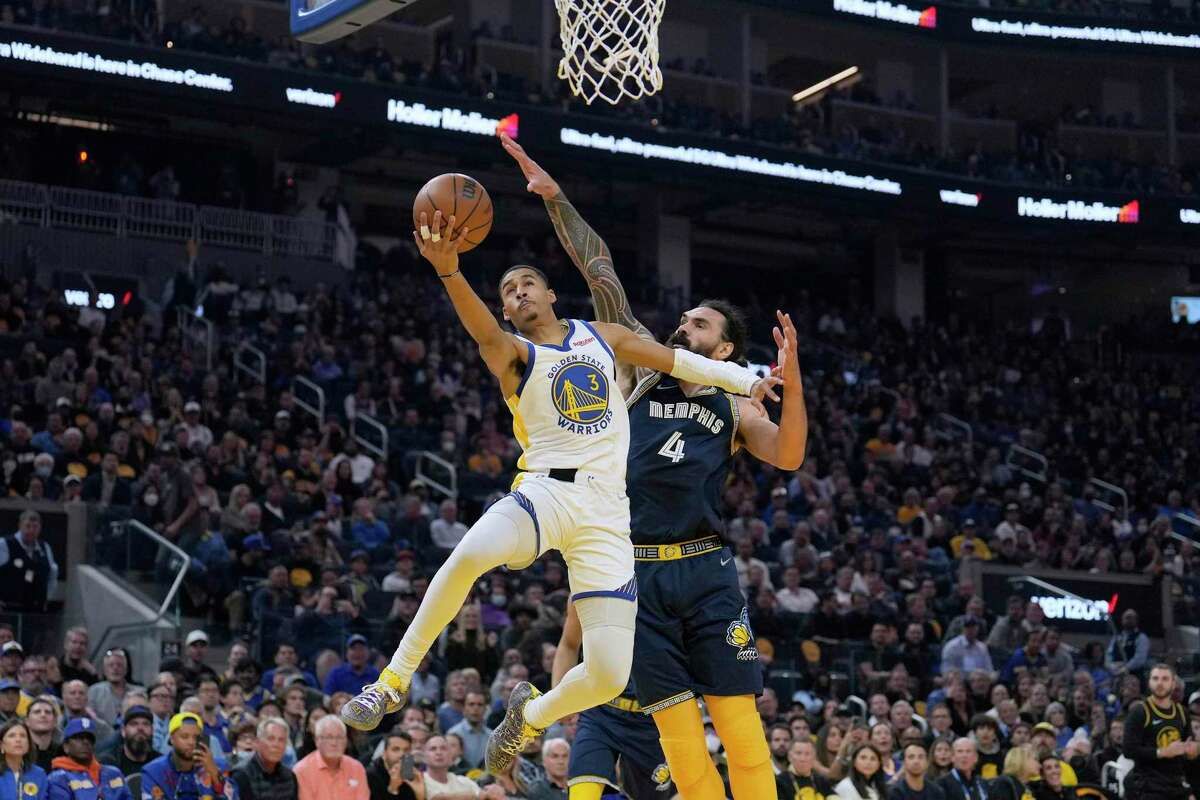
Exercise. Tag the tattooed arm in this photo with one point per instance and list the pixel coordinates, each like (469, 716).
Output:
(588, 252)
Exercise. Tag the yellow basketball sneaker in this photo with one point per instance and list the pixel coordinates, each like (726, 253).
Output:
(513, 733)
(373, 703)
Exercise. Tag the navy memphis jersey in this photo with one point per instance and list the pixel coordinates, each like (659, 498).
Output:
(680, 449)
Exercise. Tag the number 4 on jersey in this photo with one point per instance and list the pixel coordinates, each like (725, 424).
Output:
(673, 448)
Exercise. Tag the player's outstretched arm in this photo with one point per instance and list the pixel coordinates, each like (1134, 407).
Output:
(585, 247)
(438, 243)
(685, 365)
(569, 644)
(782, 445)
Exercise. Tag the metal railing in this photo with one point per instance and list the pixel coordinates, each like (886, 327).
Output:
(371, 434)
(950, 427)
(1029, 463)
(447, 486)
(147, 218)
(1110, 491)
(251, 361)
(197, 333)
(177, 561)
(309, 397)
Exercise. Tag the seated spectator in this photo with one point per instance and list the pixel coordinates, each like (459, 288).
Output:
(328, 771)
(188, 769)
(439, 781)
(105, 697)
(966, 652)
(264, 777)
(132, 749)
(77, 775)
(356, 673)
(386, 774)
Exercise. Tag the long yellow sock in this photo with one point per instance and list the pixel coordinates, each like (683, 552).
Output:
(393, 680)
(585, 791)
(738, 725)
(681, 734)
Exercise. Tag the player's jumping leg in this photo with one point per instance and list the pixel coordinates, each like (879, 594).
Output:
(681, 732)
(585, 791)
(608, 625)
(505, 534)
(741, 731)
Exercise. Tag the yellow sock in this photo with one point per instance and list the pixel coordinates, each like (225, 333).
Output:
(585, 791)
(681, 733)
(746, 753)
(393, 680)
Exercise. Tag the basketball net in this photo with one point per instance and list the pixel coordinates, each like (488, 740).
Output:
(610, 48)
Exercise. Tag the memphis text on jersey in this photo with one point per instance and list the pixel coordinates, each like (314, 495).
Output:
(580, 392)
(687, 411)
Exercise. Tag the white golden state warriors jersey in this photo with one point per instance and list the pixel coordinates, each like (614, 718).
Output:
(568, 412)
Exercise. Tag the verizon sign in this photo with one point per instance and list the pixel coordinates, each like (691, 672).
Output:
(1077, 210)
(1067, 608)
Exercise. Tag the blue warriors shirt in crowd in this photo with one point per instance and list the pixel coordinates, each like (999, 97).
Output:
(680, 451)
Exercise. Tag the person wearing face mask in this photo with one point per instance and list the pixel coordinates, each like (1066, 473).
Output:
(43, 470)
(28, 571)
(133, 750)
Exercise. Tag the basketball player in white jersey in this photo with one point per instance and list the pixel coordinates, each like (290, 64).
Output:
(559, 379)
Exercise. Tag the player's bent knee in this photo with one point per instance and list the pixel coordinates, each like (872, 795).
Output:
(740, 728)
(688, 759)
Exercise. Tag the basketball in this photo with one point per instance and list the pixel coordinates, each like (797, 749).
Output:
(462, 197)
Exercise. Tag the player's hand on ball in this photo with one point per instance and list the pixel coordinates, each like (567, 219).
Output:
(438, 242)
(540, 182)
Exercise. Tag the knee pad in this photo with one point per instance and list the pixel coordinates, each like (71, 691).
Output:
(740, 728)
(688, 760)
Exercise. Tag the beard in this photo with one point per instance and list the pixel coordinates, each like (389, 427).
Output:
(680, 339)
(138, 746)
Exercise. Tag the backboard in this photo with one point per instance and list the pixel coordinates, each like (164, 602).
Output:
(321, 21)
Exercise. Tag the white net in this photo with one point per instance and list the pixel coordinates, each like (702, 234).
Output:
(610, 48)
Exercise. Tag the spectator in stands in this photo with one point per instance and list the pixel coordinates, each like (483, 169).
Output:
(42, 721)
(328, 771)
(556, 754)
(471, 730)
(74, 664)
(962, 782)
(356, 672)
(264, 777)
(188, 769)
(1129, 650)
(75, 706)
(106, 487)
(439, 781)
(77, 775)
(28, 571)
(21, 778)
(11, 656)
(162, 708)
(385, 775)
(368, 531)
(195, 651)
(446, 531)
(865, 779)
(105, 697)
(1029, 657)
(966, 652)
(132, 749)
(286, 658)
(10, 698)
(32, 677)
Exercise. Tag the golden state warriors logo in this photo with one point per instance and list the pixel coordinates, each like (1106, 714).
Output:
(661, 777)
(579, 389)
(1166, 736)
(739, 635)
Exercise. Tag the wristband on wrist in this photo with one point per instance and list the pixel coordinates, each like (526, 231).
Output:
(451, 275)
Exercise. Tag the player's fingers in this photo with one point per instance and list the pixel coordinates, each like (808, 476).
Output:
(420, 243)
(437, 226)
(779, 340)
(462, 234)
(449, 232)
(424, 225)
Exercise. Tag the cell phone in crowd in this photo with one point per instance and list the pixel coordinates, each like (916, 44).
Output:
(408, 769)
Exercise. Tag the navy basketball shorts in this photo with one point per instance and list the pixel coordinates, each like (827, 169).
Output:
(606, 733)
(693, 632)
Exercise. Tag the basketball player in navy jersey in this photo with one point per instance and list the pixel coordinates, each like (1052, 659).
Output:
(693, 633)
(1158, 738)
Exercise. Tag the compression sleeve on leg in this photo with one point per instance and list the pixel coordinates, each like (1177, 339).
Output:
(585, 791)
(608, 624)
(725, 375)
(502, 535)
(740, 728)
(681, 733)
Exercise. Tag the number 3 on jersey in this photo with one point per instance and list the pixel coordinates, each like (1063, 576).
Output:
(673, 448)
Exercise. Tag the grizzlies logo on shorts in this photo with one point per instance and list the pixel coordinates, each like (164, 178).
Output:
(740, 635)
(606, 733)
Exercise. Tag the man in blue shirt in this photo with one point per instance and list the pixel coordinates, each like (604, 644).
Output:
(188, 770)
(356, 673)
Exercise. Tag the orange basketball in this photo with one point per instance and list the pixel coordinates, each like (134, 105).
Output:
(461, 196)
